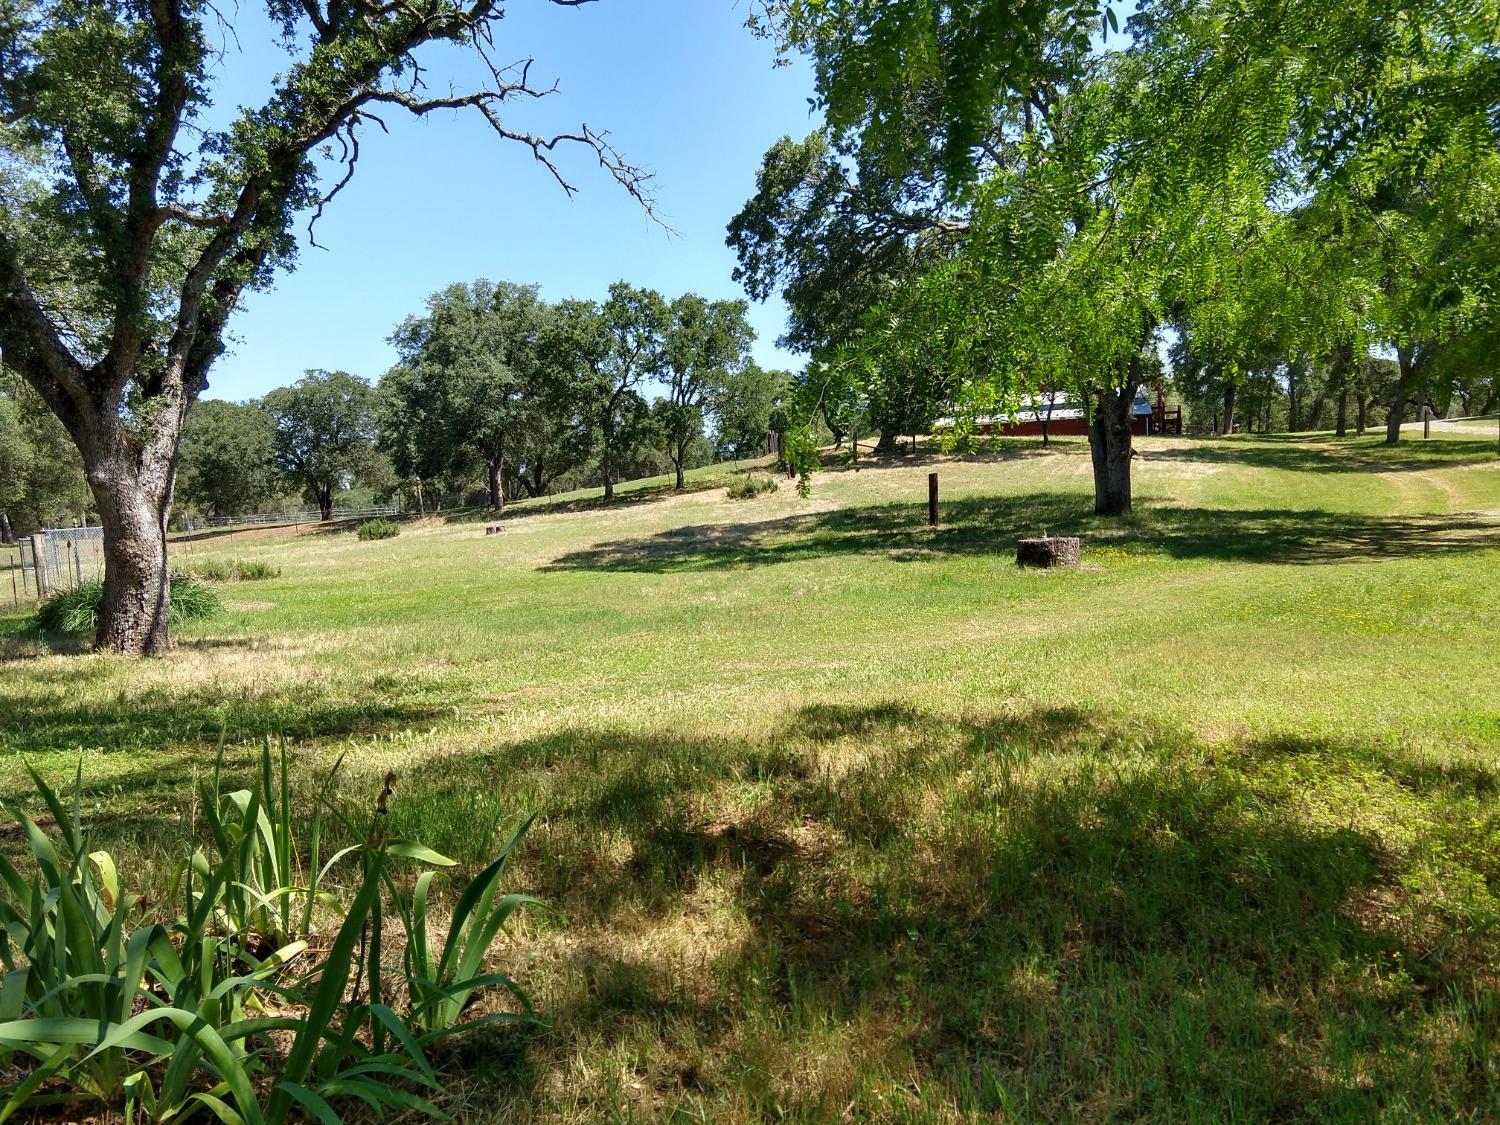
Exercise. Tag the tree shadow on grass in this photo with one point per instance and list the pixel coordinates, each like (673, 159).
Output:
(142, 760)
(192, 720)
(991, 525)
(1323, 453)
(1051, 905)
(1058, 908)
(623, 498)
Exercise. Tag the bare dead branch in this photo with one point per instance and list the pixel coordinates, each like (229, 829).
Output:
(349, 139)
(633, 179)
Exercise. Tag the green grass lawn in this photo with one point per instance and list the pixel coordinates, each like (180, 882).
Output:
(850, 819)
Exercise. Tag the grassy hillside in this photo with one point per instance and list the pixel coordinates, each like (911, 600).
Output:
(851, 819)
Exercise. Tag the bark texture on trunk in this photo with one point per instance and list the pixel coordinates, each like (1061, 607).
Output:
(887, 442)
(1110, 446)
(5, 533)
(134, 500)
(1341, 426)
(681, 477)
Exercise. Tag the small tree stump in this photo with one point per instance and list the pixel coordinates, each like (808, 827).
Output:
(1048, 552)
(494, 529)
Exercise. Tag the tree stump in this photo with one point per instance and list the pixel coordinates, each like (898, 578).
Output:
(494, 529)
(1048, 552)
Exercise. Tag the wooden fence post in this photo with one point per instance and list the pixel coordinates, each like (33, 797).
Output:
(932, 512)
(39, 561)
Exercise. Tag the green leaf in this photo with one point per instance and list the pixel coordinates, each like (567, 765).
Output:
(310, 1101)
(407, 849)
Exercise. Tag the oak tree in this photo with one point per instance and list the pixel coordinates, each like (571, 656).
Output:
(324, 433)
(131, 225)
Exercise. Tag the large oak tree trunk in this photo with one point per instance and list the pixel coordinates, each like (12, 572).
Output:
(1398, 401)
(494, 470)
(681, 476)
(1110, 445)
(133, 503)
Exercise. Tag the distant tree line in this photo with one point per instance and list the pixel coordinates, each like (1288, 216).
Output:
(496, 394)
(41, 473)
(533, 396)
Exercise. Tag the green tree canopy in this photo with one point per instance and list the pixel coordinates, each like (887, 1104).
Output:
(705, 342)
(743, 408)
(472, 367)
(228, 464)
(41, 474)
(325, 433)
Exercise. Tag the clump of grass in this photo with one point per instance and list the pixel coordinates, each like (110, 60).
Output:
(70, 611)
(77, 610)
(231, 570)
(751, 485)
(192, 599)
(378, 529)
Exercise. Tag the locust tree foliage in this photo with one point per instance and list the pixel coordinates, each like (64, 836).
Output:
(1320, 180)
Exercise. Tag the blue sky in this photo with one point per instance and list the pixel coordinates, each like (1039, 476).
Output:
(683, 88)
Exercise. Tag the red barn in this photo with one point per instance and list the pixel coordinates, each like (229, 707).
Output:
(1063, 418)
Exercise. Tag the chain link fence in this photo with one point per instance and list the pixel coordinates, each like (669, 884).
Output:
(59, 558)
(268, 519)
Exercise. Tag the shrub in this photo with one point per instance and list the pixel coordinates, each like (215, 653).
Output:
(103, 1004)
(378, 529)
(230, 570)
(77, 610)
(751, 485)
